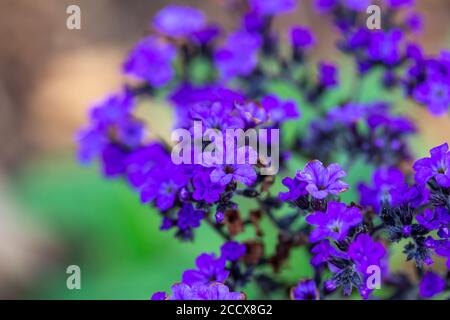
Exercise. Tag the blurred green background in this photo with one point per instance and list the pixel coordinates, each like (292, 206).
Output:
(55, 213)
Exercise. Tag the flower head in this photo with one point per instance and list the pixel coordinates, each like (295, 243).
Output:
(434, 92)
(365, 253)
(302, 37)
(273, 7)
(305, 290)
(239, 55)
(384, 180)
(209, 269)
(323, 181)
(431, 285)
(212, 291)
(297, 188)
(178, 21)
(189, 218)
(206, 190)
(233, 250)
(151, 60)
(335, 222)
(437, 166)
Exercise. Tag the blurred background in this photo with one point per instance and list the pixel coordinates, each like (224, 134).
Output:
(55, 213)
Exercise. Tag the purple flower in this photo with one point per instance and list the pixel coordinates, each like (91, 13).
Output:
(239, 56)
(140, 162)
(302, 37)
(335, 223)
(328, 74)
(414, 21)
(433, 219)
(206, 190)
(178, 21)
(111, 115)
(323, 252)
(209, 269)
(323, 181)
(437, 167)
(206, 35)
(305, 290)
(163, 184)
(113, 160)
(216, 291)
(383, 181)
(365, 252)
(297, 188)
(431, 285)
(273, 7)
(219, 216)
(213, 291)
(442, 248)
(243, 173)
(279, 111)
(232, 250)
(189, 218)
(237, 168)
(384, 46)
(151, 60)
(435, 94)
(159, 296)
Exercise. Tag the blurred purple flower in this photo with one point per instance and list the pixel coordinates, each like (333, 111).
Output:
(178, 21)
(151, 60)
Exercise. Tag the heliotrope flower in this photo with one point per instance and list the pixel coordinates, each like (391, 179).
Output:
(109, 118)
(113, 160)
(328, 75)
(239, 56)
(442, 248)
(279, 111)
(335, 222)
(383, 181)
(273, 7)
(237, 167)
(141, 161)
(324, 251)
(226, 173)
(163, 184)
(434, 92)
(431, 285)
(365, 252)
(302, 37)
(384, 46)
(178, 21)
(212, 291)
(209, 269)
(437, 167)
(232, 250)
(297, 188)
(434, 219)
(151, 60)
(305, 290)
(189, 218)
(206, 190)
(323, 181)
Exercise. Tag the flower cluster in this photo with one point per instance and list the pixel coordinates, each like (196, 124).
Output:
(252, 79)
